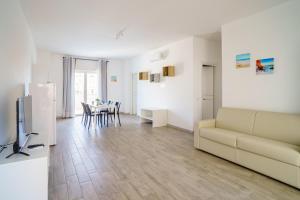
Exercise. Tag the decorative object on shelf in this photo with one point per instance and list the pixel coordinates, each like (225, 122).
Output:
(155, 78)
(143, 76)
(265, 66)
(243, 60)
(113, 79)
(169, 71)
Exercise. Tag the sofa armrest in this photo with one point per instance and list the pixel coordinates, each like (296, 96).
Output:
(211, 123)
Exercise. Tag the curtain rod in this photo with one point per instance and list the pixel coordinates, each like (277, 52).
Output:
(86, 58)
(91, 59)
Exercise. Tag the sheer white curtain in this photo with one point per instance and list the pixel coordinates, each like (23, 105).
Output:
(103, 68)
(68, 87)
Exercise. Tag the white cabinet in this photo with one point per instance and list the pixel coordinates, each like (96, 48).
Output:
(25, 177)
(158, 117)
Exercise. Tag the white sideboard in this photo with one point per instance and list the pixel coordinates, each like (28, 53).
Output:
(25, 177)
(158, 117)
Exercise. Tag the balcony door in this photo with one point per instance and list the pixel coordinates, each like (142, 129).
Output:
(86, 88)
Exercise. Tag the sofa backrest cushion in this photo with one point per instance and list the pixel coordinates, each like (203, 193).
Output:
(278, 126)
(240, 120)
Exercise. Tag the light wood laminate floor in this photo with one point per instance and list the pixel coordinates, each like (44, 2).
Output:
(139, 162)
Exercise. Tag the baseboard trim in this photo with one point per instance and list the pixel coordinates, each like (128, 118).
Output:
(125, 113)
(179, 128)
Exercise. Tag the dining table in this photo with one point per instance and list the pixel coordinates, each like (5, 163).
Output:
(104, 106)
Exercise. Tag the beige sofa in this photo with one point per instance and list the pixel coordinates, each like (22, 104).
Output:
(266, 142)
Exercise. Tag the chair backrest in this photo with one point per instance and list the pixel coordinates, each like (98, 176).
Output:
(83, 106)
(118, 104)
(88, 109)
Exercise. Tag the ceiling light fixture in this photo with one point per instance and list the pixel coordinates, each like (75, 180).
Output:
(120, 33)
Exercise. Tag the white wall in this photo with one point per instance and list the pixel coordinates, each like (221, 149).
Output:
(17, 52)
(115, 90)
(178, 94)
(172, 93)
(272, 33)
(49, 69)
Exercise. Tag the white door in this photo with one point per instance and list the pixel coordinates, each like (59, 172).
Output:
(52, 139)
(207, 99)
(134, 94)
(207, 81)
(207, 107)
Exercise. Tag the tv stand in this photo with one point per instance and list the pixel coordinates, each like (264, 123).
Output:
(20, 152)
(2, 148)
(32, 146)
(17, 150)
(31, 134)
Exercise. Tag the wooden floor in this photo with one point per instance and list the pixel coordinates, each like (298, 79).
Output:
(138, 162)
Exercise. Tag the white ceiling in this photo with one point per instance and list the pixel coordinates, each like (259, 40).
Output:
(89, 27)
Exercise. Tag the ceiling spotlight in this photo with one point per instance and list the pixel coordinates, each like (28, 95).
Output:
(120, 33)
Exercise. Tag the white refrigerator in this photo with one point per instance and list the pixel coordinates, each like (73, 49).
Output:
(44, 110)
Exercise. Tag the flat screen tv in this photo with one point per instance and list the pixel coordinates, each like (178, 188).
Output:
(23, 124)
(25, 119)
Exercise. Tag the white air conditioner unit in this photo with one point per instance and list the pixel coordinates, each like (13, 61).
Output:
(159, 55)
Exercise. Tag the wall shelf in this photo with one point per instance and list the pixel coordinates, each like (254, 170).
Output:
(155, 78)
(168, 71)
(143, 75)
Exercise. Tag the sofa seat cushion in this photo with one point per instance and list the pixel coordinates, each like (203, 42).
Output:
(219, 135)
(280, 151)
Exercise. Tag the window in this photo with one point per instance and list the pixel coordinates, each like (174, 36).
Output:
(91, 87)
(79, 92)
(86, 88)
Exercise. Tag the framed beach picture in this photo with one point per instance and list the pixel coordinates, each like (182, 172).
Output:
(113, 78)
(243, 60)
(265, 66)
